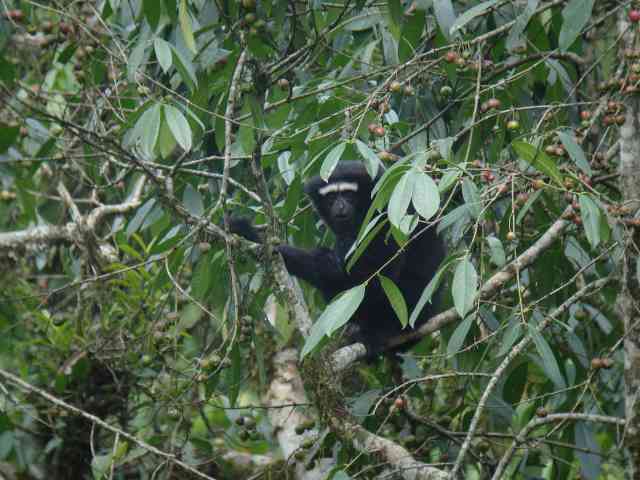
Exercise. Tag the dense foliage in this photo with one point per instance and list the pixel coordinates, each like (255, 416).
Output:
(129, 128)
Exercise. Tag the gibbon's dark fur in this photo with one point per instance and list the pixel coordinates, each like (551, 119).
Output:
(342, 204)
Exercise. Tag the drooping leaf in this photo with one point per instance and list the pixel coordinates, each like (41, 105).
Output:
(186, 27)
(472, 197)
(193, 201)
(163, 53)
(445, 16)
(575, 151)
(331, 160)
(515, 34)
(396, 299)
(464, 286)
(337, 313)
(498, 256)
(427, 293)
(426, 197)
(400, 198)
(575, 16)
(550, 364)
(372, 162)
(179, 127)
(459, 335)
(470, 14)
(591, 218)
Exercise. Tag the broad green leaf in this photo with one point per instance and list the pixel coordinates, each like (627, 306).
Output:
(372, 162)
(163, 53)
(150, 123)
(193, 201)
(445, 16)
(515, 34)
(538, 160)
(549, 362)
(575, 151)
(497, 251)
(575, 16)
(426, 197)
(166, 141)
(186, 27)
(141, 214)
(337, 313)
(590, 219)
(179, 127)
(395, 15)
(464, 286)
(448, 180)
(400, 198)
(396, 299)
(470, 14)
(427, 293)
(472, 198)
(372, 229)
(513, 333)
(185, 68)
(459, 335)
(331, 160)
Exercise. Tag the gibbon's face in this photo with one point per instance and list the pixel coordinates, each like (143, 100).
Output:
(340, 205)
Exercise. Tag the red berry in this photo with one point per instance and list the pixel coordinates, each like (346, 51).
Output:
(451, 56)
(634, 16)
(379, 132)
(585, 114)
(493, 103)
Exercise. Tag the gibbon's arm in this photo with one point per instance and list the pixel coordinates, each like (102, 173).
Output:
(319, 266)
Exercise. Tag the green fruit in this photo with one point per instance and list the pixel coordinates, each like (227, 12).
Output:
(446, 91)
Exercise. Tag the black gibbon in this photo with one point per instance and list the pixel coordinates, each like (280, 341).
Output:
(342, 204)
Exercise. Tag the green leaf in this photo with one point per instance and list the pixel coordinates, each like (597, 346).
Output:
(464, 286)
(395, 15)
(400, 198)
(152, 10)
(163, 53)
(498, 256)
(396, 299)
(331, 160)
(472, 197)
(538, 160)
(445, 16)
(337, 313)
(150, 127)
(372, 229)
(575, 151)
(515, 34)
(425, 197)
(186, 27)
(575, 16)
(470, 14)
(185, 68)
(590, 219)
(372, 162)
(179, 127)
(459, 335)
(193, 201)
(549, 362)
(512, 334)
(427, 293)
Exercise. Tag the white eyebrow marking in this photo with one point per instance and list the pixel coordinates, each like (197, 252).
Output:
(339, 187)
